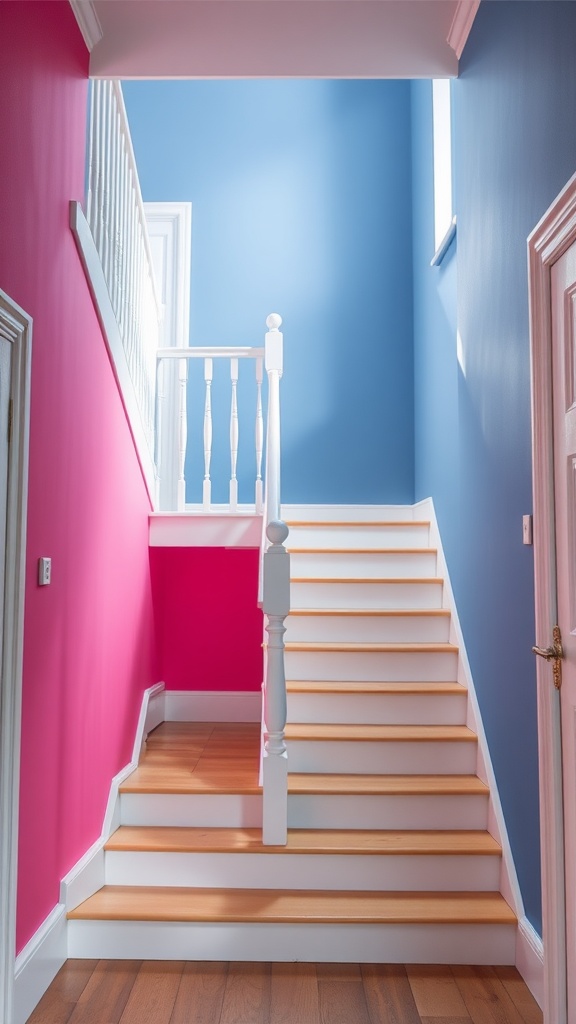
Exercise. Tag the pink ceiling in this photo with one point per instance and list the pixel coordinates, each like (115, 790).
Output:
(275, 38)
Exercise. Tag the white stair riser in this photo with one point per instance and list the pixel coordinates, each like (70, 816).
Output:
(321, 943)
(378, 709)
(211, 810)
(359, 536)
(305, 871)
(348, 513)
(379, 596)
(388, 812)
(369, 628)
(364, 564)
(387, 758)
(376, 666)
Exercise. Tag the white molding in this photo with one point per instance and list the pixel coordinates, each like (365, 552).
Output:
(190, 530)
(99, 291)
(16, 327)
(510, 887)
(88, 22)
(212, 706)
(170, 234)
(554, 233)
(39, 962)
(462, 22)
(530, 959)
(87, 875)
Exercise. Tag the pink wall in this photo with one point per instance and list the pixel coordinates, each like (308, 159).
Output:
(89, 648)
(208, 625)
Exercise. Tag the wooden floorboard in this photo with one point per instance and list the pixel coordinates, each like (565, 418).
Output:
(199, 757)
(160, 992)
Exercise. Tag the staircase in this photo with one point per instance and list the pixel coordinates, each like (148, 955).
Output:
(388, 856)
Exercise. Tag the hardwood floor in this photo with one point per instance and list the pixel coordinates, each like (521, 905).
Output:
(174, 992)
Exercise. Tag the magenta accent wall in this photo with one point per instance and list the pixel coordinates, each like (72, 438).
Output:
(89, 647)
(208, 624)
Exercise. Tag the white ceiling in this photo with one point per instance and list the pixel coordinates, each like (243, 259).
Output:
(275, 38)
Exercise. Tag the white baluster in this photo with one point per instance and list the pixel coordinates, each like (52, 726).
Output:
(259, 437)
(161, 370)
(233, 436)
(207, 485)
(182, 432)
(276, 607)
(273, 344)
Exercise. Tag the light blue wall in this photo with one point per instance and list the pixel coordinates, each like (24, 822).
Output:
(514, 149)
(301, 205)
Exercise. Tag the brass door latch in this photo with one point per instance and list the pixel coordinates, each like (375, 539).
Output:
(555, 653)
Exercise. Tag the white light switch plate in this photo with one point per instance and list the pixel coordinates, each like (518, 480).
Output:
(44, 571)
(526, 529)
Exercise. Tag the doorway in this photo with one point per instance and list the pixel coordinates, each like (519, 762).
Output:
(15, 352)
(552, 273)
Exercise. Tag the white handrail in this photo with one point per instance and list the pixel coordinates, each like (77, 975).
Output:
(115, 215)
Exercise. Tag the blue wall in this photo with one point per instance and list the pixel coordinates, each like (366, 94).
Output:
(301, 205)
(514, 149)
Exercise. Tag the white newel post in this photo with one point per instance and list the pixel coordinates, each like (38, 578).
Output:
(276, 605)
(233, 435)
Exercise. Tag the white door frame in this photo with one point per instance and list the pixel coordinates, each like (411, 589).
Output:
(553, 235)
(16, 326)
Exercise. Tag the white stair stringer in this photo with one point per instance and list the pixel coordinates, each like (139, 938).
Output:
(380, 752)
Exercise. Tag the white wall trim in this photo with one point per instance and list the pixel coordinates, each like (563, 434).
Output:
(555, 232)
(99, 291)
(211, 706)
(16, 328)
(38, 963)
(170, 235)
(87, 875)
(191, 530)
(530, 959)
(509, 885)
(462, 22)
(88, 22)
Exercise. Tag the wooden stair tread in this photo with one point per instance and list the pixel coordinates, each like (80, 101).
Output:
(372, 648)
(179, 781)
(302, 841)
(363, 733)
(141, 903)
(342, 686)
(309, 783)
(374, 612)
(336, 523)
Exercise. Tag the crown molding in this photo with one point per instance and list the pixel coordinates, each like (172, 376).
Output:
(88, 23)
(464, 15)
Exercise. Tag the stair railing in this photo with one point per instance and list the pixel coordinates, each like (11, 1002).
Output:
(177, 420)
(274, 592)
(115, 216)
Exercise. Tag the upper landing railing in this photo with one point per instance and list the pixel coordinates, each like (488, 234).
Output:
(117, 222)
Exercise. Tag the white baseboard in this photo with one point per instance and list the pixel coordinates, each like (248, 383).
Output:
(530, 959)
(211, 706)
(39, 962)
(87, 875)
